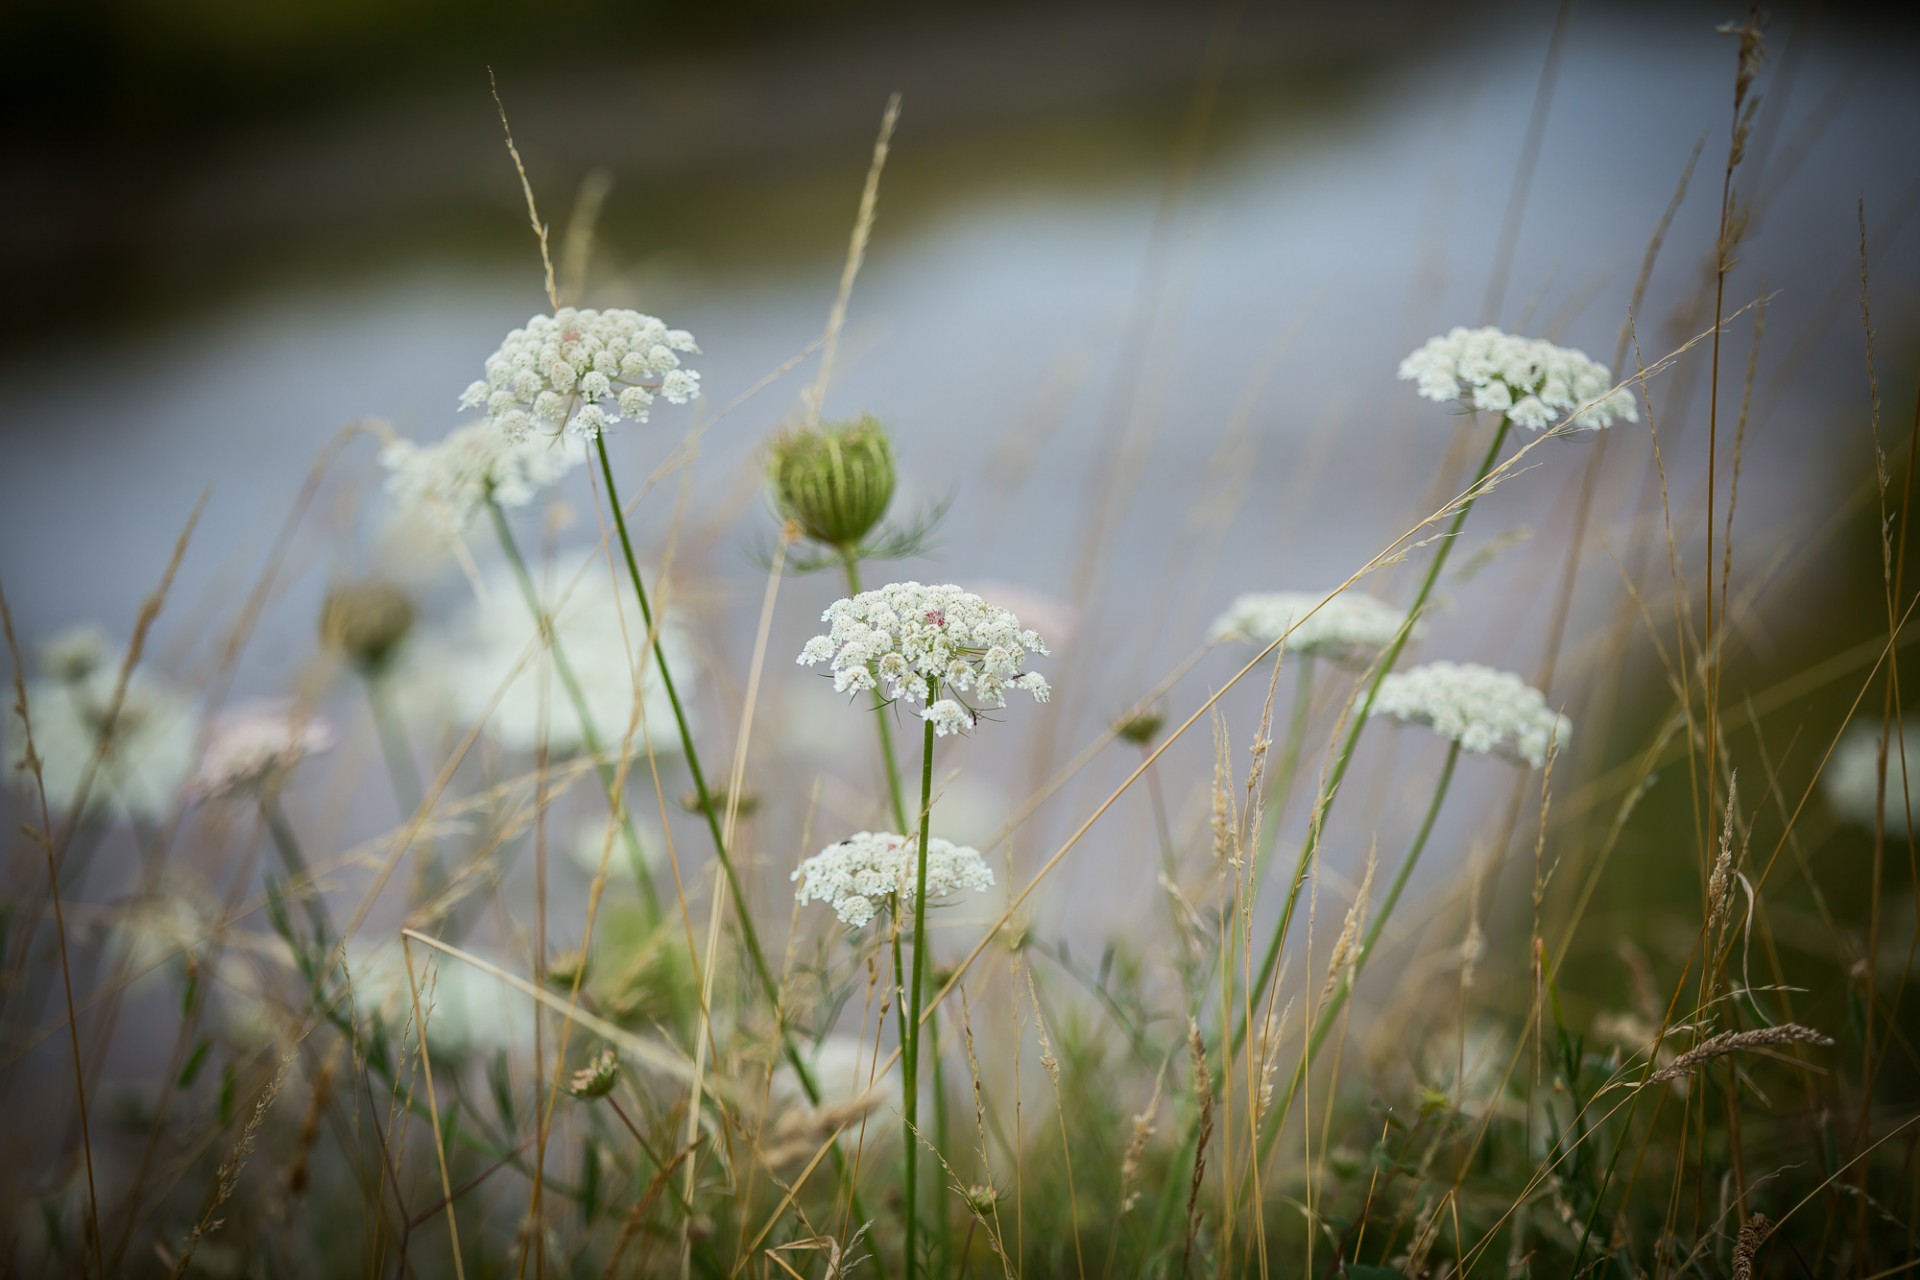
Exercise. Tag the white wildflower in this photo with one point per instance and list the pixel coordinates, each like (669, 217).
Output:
(1350, 628)
(1851, 779)
(455, 477)
(947, 716)
(1486, 711)
(862, 873)
(144, 754)
(1532, 382)
(604, 641)
(580, 370)
(911, 641)
(252, 742)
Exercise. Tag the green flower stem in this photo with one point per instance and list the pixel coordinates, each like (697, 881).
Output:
(609, 778)
(911, 1062)
(1324, 805)
(851, 559)
(1360, 715)
(942, 1220)
(755, 952)
(401, 769)
(297, 870)
(1337, 1000)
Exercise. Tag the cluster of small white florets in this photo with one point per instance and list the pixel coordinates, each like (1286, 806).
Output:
(1486, 711)
(911, 641)
(1532, 382)
(862, 873)
(253, 742)
(580, 370)
(455, 477)
(1349, 627)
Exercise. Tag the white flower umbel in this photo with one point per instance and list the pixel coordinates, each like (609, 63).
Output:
(144, 755)
(912, 641)
(1486, 711)
(254, 741)
(581, 370)
(605, 641)
(1532, 382)
(864, 872)
(1851, 780)
(454, 478)
(1350, 628)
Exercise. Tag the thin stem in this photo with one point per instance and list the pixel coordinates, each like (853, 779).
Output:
(851, 559)
(1337, 1000)
(401, 769)
(1283, 778)
(1361, 713)
(609, 778)
(911, 1084)
(298, 871)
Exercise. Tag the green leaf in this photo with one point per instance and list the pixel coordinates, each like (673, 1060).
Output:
(229, 1089)
(195, 1060)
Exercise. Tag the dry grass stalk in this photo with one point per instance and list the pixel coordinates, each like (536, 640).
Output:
(1203, 1093)
(1722, 865)
(228, 1176)
(1346, 953)
(1728, 1042)
(1143, 1131)
(1221, 821)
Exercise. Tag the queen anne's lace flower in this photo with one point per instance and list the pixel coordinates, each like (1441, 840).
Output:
(580, 370)
(144, 754)
(863, 872)
(1851, 779)
(912, 641)
(252, 742)
(1532, 382)
(455, 477)
(1348, 628)
(1486, 711)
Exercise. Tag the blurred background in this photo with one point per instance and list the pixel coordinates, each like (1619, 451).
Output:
(1139, 282)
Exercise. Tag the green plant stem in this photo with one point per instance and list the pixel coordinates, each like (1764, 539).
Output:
(609, 777)
(911, 1061)
(401, 769)
(1169, 1198)
(936, 1083)
(1337, 999)
(755, 952)
(298, 870)
(850, 558)
(1324, 805)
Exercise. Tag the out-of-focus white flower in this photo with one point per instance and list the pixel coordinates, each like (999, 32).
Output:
(1350, 628)
(454, 478)
(253, 741)
(912, 641)
(862, 873)
(604, 639)
(1851, 779)
(1532, 382)
(148, 746)
(843, 1068)
(1486, 711)
(467, 1012)
(581, 370)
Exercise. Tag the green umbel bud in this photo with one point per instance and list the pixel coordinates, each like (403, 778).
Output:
(834, 482)
(366, 621)
(595, 1080)
(1140, 727)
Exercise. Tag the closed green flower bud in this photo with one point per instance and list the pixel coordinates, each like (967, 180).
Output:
(834, 482)
(595, 1080)
(366, 621)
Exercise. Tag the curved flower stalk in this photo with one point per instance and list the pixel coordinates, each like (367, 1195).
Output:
(914, 642)
(1477, 710)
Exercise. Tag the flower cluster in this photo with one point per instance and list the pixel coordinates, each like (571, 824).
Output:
(596, 1079)
(1486, 711)
(863, 872)
(480, 669)
(580, 370)
(1348, 628)
(912, 640)
(254, 741)
(1532, 382)
(455, 478)
(138, 757)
